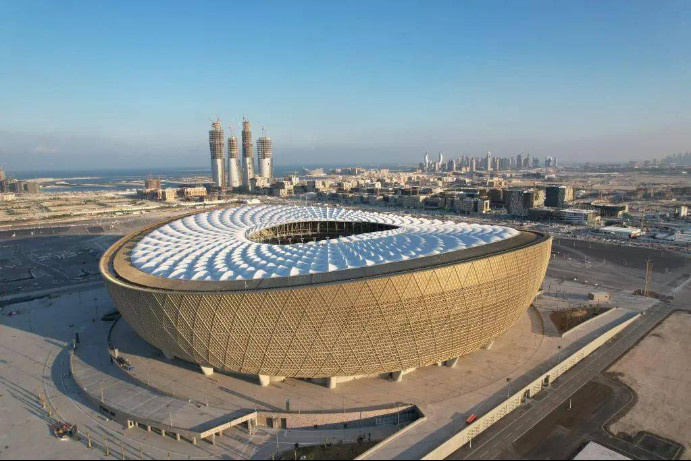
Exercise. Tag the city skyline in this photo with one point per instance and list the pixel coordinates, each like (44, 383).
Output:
(577, 82)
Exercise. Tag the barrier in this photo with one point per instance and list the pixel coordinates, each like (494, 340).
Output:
(393, 436)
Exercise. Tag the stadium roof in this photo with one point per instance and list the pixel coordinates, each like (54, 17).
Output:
(215, 245)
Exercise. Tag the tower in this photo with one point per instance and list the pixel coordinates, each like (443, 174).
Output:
(265, 157)
(234, 168)
(247, 154)
(216, 144)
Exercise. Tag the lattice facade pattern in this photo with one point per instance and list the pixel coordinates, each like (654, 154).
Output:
(359, 327)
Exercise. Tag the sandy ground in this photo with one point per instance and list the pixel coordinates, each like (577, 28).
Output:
(658, 369)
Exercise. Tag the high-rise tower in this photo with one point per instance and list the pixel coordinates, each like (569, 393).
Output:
(265, 157)
(247, 155)
(234, 168)
(216, 143)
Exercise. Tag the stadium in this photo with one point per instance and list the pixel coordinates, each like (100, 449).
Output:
(322, 292)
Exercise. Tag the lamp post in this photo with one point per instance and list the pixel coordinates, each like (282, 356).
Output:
(558, 355)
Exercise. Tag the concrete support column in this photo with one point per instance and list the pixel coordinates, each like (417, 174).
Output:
(163, 432)
(488, 346)
(334, 380)
(148, 428)
(167, 354)
(398, 376)
(265, 380)
(451, 363)
(177, 437)
(207, 371)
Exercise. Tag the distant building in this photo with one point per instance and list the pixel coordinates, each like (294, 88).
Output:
(610, 210)
(578, 216)
(626, 232)
(264, 157)
(167, 195)
(194, 192)
(23, 187)
(7, 197)
(473, 205)
(543, 214)
(558, 196)
(32, 187)
(2, 174)
(234, 168)
(247, 154)
(152, 183)
(282, 189)
(216, 147)
(519, 201)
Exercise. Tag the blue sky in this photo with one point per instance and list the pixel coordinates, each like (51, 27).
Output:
(127, 84)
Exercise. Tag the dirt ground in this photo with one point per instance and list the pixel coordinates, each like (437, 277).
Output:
(344, 451)
(658, 369)
(568, 319)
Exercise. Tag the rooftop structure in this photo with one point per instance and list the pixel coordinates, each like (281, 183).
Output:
(280, 241)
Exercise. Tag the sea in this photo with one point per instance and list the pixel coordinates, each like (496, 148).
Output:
(120, 180)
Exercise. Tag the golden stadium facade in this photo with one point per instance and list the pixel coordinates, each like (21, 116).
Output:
(311, 292)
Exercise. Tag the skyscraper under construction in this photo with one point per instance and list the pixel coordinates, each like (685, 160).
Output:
(234, 169)
(216, 146)
(264, 156)
(247, 155)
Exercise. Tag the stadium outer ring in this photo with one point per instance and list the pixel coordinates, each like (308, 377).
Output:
(348, 323)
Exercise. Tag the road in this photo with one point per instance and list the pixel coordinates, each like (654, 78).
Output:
(496, 440)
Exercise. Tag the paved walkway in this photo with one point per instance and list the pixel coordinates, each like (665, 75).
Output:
(105, 381)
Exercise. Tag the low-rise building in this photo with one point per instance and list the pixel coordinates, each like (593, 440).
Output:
(194, 192)
(578, 216)
(625, 232)
(558, 196)
(610, 210)
(473, 205)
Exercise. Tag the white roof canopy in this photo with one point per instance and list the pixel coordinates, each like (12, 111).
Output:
(215, 245)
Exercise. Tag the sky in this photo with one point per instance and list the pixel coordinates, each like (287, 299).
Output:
(127, 84)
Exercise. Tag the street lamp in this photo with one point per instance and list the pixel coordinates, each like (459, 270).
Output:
(508, 387)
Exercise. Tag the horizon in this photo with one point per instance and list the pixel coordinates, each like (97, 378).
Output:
(391, 81)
